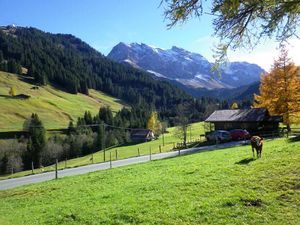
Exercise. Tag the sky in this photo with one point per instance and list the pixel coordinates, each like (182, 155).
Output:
(105, 23)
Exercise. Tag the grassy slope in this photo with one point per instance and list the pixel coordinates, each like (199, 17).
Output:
(55, 108)
(204, 188)
(123, 152)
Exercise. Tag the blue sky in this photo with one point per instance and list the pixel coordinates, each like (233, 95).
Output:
(104, 23)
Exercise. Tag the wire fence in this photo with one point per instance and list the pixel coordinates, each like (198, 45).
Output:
(111, 154)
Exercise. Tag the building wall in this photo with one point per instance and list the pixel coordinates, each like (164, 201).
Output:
(250, 126)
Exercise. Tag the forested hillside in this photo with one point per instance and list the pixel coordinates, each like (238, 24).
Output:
(74, 66)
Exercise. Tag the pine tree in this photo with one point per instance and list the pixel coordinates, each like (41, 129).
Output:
(71, 128)
(100, 141)
(1, 56)
(280, 90)
(88, 118)
(37, 140)
(105, 114)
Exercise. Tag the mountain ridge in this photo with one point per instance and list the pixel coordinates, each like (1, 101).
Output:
(189, 68)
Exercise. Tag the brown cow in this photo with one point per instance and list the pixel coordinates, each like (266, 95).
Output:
(257, 144)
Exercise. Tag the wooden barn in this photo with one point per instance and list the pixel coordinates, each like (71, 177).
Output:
(141, 135)
(253, 120)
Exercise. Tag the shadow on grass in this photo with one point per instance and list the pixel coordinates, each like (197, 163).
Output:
(294, 139)
(245, 161)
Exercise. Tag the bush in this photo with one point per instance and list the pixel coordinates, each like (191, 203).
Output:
(52, 151)
(11, 152)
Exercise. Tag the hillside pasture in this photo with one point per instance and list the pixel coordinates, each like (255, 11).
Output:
(214, 187)
(55, 107)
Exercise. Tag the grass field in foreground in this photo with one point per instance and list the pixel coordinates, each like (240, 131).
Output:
(55, 107)
(214, 187)
(122, 152)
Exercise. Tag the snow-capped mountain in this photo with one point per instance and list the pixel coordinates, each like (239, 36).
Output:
(191, 69)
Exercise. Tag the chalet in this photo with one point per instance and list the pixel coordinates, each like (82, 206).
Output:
(253, 120)
(141, 135)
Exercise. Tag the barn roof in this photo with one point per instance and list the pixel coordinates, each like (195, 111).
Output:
(242, 115)
(140, 132)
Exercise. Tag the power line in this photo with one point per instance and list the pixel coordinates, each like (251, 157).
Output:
(84, 125)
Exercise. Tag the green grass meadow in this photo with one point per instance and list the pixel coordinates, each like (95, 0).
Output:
(55, 107)
(122, 151)
(214, 187)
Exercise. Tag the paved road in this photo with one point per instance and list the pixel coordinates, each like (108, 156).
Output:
(15, 182)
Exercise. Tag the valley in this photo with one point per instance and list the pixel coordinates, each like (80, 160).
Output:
(164, 112)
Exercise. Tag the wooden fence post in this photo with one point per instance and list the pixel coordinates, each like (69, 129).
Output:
(110, 164)
(104, 155)
(160, 148)
(32, 168)
(116, 154)
(138, 152)
(56, 174)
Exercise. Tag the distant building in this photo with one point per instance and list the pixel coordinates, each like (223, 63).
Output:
(253, 120)
(22, 96)
(141, 135)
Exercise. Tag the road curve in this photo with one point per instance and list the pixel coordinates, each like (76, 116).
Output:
(16, 182)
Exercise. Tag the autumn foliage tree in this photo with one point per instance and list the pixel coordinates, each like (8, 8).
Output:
(234, 106)
(154, 124)
(13, 91)
(239, 24)
(280, 90)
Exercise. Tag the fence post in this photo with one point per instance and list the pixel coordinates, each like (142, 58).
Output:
(160, 148)
(104, 155)
(56, 175)
(65, 163)
(110, 164)
(150, 152)
(32, 168)
(139, 152)
(179, 152)
(92, 157)
(116, 154)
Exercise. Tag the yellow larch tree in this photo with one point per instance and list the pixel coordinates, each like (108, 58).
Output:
(13, 91)
(234, 106)
(154, 124)
(280, 90)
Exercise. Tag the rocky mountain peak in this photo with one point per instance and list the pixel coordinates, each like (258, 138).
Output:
(188, 68)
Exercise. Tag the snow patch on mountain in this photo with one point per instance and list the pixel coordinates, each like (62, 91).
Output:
(156, 74)
(188, 68)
